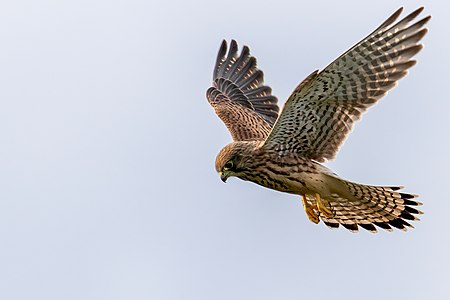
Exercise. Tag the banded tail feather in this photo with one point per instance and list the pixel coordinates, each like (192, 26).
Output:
(371, 206)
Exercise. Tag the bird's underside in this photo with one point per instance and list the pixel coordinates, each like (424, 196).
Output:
(283, 151)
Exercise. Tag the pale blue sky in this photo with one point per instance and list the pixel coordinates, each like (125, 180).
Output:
(107, 180)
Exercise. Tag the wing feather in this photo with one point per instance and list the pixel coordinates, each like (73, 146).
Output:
(239, 96)
(321, 111)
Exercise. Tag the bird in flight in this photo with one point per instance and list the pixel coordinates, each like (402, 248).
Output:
(284, 150)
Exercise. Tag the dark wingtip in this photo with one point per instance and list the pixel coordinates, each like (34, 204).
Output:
(383, 225)
(233, 46)
(392, 18)
(400, 224)
(396, 188)
(223, 47)
(331, 225)
(245, 51)
(369, 227)
(407, 216)
(407, 196)
(352, 227)
(413, 210)
(398, 11)
(425, 20)
(417, 11)
(220, 57)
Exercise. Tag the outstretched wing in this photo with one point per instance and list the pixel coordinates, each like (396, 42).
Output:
(239, 97)
(321, 111)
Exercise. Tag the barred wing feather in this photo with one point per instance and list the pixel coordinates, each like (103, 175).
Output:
(321, 111)
(239, 96)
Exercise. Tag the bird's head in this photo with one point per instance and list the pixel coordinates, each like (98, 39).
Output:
(234, 159)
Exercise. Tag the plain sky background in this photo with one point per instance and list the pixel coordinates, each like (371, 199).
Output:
(107, 148)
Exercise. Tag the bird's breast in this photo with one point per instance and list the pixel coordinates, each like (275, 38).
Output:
(289, 174)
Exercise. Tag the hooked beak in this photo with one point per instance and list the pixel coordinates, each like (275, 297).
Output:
(223, 176)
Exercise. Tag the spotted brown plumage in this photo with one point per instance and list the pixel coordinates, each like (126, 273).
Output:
(239, 96)
(283, 152)
(325, 108)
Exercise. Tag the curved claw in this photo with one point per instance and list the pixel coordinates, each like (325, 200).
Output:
(322, 207)
(309, 210)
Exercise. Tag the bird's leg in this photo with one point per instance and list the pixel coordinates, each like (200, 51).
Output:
(312, 215)
(322, 207)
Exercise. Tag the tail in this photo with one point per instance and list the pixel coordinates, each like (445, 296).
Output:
(372, 206)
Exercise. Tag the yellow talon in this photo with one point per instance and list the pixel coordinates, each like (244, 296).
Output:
(312, 215)
(322, 207)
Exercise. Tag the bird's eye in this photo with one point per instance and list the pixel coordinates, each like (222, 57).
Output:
(228, 166)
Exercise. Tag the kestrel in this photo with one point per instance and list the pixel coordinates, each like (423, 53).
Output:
(284, 151)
